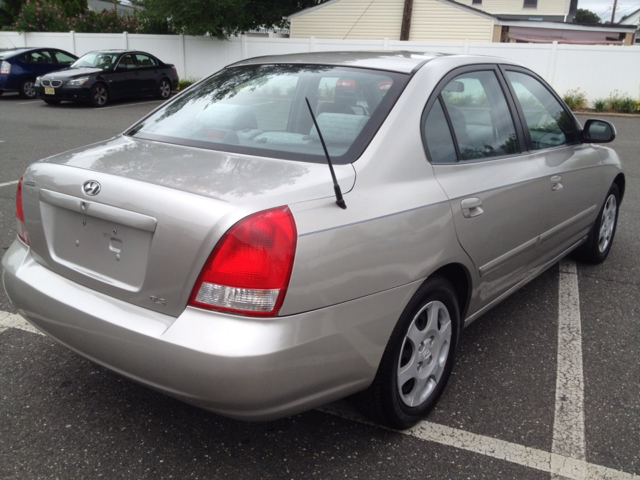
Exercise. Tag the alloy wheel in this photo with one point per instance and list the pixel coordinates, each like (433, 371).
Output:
(608, 223)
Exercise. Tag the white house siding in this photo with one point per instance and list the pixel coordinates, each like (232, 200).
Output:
(351, 19)
(515, 7)
(435, 20)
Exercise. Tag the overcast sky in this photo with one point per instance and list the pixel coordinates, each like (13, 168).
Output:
(603, 7)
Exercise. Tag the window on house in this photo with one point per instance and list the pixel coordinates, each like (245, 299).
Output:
(530, 4)
(476, 2)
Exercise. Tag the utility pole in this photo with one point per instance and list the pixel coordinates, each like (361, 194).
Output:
(406, 20)
(613, 12)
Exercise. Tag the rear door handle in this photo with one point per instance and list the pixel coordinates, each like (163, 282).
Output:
(556, 183)
(471, 207)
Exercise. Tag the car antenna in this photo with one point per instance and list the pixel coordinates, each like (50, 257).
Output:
(336, 186)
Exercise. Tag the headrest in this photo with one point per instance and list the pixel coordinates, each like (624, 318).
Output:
(339, 128)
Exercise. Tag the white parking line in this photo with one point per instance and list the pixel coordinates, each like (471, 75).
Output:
(6, 184)
(30, 102)
(567, 458)
(568, 425)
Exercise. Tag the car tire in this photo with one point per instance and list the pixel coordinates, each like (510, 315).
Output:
(419, 357)
(600, 239)
(164, 89)
(26, 88)
(51, 102)
(99, 95)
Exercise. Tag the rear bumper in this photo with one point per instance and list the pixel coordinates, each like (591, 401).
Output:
(239, 367)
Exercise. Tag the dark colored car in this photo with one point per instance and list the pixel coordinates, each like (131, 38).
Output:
(100, 76)
(19, 67)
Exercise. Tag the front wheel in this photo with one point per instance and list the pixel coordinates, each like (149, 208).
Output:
(26, 89)
(600, 239)
(164, 89)
(99, 95)
(419, 357)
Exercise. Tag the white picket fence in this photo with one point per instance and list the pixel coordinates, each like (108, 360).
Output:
(596, 70)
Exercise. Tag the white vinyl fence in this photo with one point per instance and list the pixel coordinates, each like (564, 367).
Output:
(596, 70)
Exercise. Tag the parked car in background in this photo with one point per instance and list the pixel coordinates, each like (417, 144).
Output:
(19, 67)
(210, 252)
(100, 76)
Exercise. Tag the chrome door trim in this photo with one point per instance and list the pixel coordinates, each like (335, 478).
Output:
(498, 262)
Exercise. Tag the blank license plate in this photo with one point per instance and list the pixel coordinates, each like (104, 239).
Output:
(49, 91)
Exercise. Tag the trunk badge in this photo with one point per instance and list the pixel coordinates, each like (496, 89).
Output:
(91, 188)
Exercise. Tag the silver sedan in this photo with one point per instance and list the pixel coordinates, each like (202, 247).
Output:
(297, 229)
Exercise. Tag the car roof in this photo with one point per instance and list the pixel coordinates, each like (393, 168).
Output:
(398, 61)
(10, 52)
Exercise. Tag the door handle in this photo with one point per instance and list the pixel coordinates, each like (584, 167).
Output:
(471, 207)
(556, 183)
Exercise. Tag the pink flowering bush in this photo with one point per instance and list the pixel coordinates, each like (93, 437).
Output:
(41, 16)
(107, 21)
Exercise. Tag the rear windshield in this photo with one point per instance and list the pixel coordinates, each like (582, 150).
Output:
(261, 110)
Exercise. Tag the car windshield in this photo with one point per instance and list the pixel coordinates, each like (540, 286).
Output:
(261, 110)
(96, 59)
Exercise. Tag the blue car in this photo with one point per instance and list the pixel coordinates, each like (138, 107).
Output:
(19, 67)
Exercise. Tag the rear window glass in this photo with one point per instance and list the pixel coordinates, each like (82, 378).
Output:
(261, 110)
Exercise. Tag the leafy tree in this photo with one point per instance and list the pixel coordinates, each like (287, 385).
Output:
(222, 18)
(74, 7)
(585, 16)
(9, 10)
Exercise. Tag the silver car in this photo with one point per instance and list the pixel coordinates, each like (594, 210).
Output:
(297, 229)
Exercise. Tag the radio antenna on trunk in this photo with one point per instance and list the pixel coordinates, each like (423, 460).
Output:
(336, 186)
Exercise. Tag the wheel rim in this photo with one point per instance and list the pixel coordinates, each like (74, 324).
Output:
(608, 223)
(100, 95)
(28, 89)
(424, 353)
(165, 90)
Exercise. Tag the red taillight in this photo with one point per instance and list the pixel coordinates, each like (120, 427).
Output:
(346, 84)
(21, 228)
(249, 269)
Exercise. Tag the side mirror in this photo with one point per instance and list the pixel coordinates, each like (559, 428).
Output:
(598, 131)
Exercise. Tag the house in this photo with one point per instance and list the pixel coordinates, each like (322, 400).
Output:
(633, 19)
(529, 21)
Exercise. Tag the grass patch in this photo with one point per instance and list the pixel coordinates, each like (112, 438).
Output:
(186, 82)
(575, 99)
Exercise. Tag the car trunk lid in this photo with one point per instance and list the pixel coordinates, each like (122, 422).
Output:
(136, 219)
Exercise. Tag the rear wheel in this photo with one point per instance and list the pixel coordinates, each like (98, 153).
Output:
(99, 95)
(164, 89)
(26, 89)
(51, 102)
(598, 244)
(419, 357)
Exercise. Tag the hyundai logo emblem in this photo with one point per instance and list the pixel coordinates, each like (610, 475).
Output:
(91, 188)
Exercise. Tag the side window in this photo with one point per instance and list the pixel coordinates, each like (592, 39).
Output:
(41, 56)
(62, 57)
(126, 62)
(438, 136)
(145, 60)
(548, 123)
(480, 117)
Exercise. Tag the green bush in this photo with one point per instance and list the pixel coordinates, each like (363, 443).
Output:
(41, 16)
(186, 82)
(575, 99)
(600, 105)
(628, 105)
(107, 21)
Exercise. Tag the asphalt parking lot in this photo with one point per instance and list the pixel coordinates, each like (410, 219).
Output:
(504, 415)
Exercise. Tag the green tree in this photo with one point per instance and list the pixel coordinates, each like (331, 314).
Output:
(41, 16)
(9, 10)
(222, 18)
(585, 16)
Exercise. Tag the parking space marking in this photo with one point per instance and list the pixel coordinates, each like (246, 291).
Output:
(129, 105)
(568, 425)
(11, 320)
(30, 102)
(567, 460)
(6, 184)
